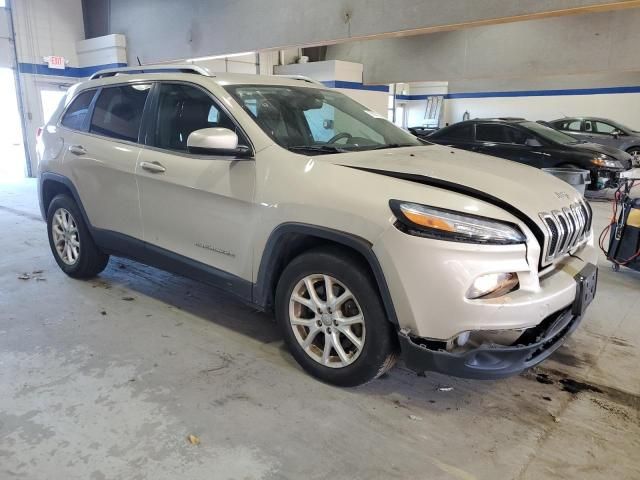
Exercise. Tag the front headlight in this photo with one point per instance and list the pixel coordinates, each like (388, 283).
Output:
(442, 224)
(606, 161)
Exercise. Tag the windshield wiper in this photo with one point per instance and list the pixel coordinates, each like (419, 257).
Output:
(317, 148)
(389, 145)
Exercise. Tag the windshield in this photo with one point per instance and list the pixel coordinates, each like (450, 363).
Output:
(312, 120)
(549, 133)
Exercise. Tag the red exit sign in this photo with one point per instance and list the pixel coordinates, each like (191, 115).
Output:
(55, 61)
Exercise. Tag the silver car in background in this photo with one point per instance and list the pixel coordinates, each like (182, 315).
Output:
(602, 131)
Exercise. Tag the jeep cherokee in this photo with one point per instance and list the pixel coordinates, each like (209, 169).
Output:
(365, 242)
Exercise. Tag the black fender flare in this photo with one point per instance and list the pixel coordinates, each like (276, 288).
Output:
(57, 178)
(275, 248)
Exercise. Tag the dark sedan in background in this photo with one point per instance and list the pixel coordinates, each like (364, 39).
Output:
(536, 145)
(602, 131)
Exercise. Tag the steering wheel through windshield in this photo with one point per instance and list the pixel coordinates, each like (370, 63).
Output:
(340, 136)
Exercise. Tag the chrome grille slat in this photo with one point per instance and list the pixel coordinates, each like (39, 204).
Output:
(566, 229)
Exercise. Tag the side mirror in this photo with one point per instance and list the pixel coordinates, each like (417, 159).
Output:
(532, 142)
(216, 141)
(616, 133)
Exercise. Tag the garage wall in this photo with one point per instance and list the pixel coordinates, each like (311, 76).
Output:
(613, 95)
(543, 69)
(168, 30)
(579, 44)
(44, 28)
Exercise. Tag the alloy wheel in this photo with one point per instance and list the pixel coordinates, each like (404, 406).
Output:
(66, 237)
(327, 320)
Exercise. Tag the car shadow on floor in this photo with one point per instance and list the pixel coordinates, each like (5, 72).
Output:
(190, 296)
(407, 389)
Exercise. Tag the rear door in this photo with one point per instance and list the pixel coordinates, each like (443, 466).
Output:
(101, 155)
(458, 136)
(197, 206)
(573, 127)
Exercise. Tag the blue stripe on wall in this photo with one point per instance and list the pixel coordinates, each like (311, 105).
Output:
(530, 93)
(355, 86)
(548, 93)
(75, 72)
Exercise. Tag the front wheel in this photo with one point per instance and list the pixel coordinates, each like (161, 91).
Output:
(333, 319)
(635, 153)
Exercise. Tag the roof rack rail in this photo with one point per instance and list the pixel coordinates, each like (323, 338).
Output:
(112, 72)
(302, 78)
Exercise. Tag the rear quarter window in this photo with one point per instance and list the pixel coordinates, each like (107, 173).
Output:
(456, 132)
(76, 114)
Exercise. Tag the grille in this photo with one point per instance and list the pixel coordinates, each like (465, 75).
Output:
(566, 229)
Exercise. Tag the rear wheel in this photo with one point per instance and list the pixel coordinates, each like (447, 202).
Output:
(333, 320)
(71, 244)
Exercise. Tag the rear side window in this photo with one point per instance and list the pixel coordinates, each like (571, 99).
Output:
(118, 111)
(489, 132)
(76, 114)
(457, 132)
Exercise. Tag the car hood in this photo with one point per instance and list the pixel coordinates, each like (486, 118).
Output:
(497, 181)
(597, 148)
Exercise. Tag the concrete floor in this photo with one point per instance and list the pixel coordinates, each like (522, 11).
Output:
(105, 379)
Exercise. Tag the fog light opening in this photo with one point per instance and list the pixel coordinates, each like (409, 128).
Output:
(492, 285)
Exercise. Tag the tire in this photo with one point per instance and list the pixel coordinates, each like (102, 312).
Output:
(635, 153)
(362, 314)
(66, 226)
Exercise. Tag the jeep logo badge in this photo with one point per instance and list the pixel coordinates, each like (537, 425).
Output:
(562, 195)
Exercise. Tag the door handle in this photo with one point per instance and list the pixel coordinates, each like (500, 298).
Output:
(77, 149)
(153, 167)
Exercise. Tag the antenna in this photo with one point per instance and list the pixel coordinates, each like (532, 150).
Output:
(139, 62)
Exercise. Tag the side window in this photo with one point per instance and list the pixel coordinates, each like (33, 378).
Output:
(491, 132)
(516, 136)
(77, 112)
(459, 132)
(182, 109)
(602, 127)
(118, 111)
(573, 125)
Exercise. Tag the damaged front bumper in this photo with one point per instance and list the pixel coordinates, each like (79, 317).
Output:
(493, 361)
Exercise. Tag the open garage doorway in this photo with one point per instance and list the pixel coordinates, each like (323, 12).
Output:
(12, 156)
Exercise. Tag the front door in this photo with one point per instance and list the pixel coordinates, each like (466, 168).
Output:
(603, 133)
(199, 207)
(507, 142)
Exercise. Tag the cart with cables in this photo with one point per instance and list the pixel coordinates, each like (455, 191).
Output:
(624, 228)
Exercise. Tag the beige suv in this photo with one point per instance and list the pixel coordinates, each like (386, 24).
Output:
(365, 242)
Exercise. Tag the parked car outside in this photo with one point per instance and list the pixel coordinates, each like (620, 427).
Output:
(602, 131)
(537, 145)
(365, 242)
